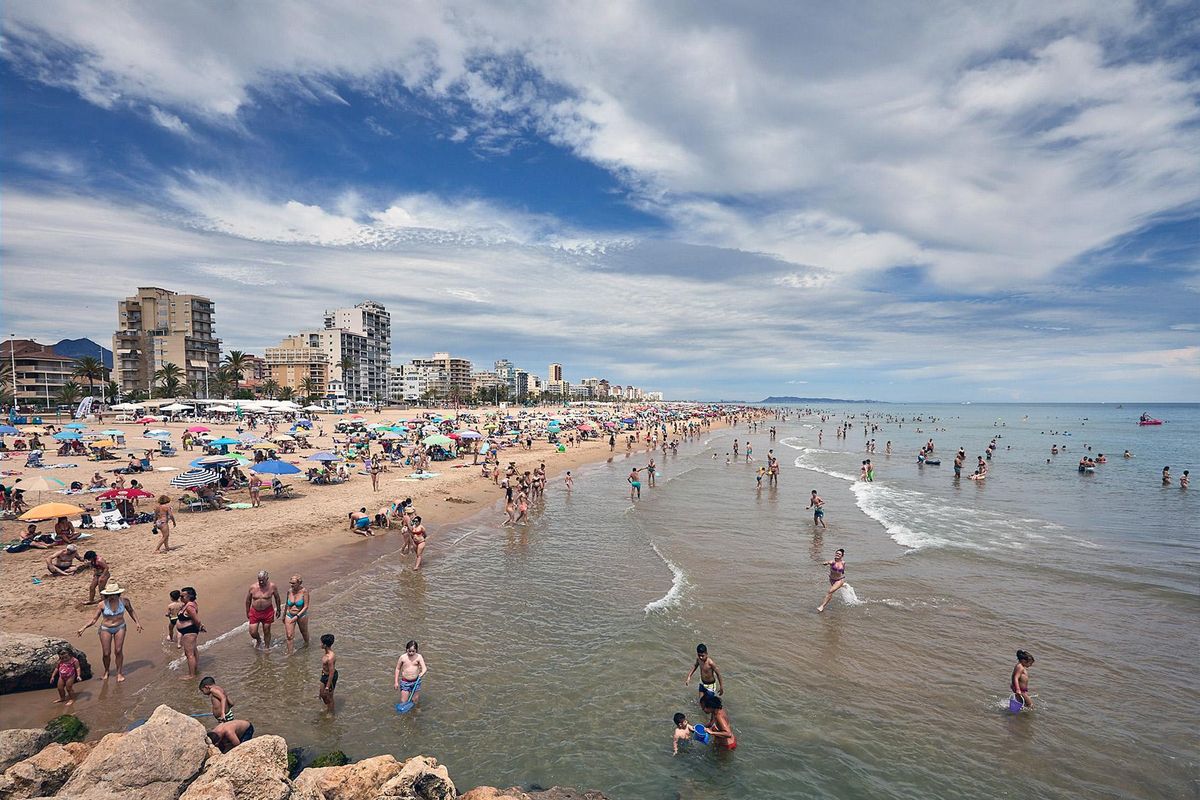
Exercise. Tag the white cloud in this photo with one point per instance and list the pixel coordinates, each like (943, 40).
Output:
(171, 122)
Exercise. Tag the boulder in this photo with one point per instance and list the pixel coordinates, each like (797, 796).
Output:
(421, 778)
(27, 661)
(358, 781)
(155, 761)
(255, 770)
(19, 744)
(43, 773)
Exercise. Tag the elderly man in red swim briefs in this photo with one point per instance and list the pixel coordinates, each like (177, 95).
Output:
(262, 606)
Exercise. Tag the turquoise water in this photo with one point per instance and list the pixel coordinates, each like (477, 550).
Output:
(557, 652)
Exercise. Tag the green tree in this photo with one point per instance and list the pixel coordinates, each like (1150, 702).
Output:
(136, 396)
(310, 387)
(6, 382)
(287, 393)
(270, 388)
(70, 392)
(169, 379)
(112, 391)
(92, 369)
(237, 361)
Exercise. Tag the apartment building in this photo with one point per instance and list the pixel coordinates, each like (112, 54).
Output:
(368, 379)
(156, 327)
(39, 372)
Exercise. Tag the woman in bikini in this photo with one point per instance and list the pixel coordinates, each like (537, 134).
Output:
(295, 611)
(189, 629)
(522, 508)
(112, 610)
(255, 490)
(418, 537)
(164, 518)
(837, 576)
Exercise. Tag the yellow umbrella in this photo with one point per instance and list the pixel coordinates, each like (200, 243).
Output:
(103, 443)
(50, 511)
(262, 446)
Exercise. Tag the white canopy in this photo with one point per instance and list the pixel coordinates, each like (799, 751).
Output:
(176, 407)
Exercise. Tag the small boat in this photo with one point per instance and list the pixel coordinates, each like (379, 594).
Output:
(933, 462)
(1148, 420)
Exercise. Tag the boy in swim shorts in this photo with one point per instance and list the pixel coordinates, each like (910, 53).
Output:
(329, 673)
(710, 677)
(410, 669)
(683, 732)
(222, 706)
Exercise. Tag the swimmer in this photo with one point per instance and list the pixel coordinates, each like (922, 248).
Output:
(1166, 476)
(1185, 480)
(329, 673)
(837, 575)
(1020, 679)
(635, 483)
(818, 507)
(719, 726)
(710, 677)
(410, 669)
(684, 731)
(222, 706)
(228, 735)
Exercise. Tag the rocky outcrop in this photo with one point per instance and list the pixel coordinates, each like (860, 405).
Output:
(155, 761)
(170, 758)
(27, 661)
(43, 773)
(256, 770)
(358, 781)
(421, 778)
(19, 744)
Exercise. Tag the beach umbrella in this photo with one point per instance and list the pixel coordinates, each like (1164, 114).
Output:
(50, 511)
(158, 434)
(211, 461)
(467, 434)
(124, 493)
(262, 446)
(9, 430)
(224, 440)
(125, 407)
(67, 436)
(113, 432)
(437, 440)
(195, 477)
(275, 467)
(76, 425)
(314, 408)
(39, 484)
(176, 407)
(391, 435)
(145, 420)
(248, 438)
(283, 437)
(324, 456)
(221, 409)
(103, 443)
(198, 429)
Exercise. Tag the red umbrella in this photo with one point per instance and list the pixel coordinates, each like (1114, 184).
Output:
(453, 435)
(198, 429)
(144, 421)
(127, 494)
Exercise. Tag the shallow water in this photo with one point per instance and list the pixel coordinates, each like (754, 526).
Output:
(557, 651)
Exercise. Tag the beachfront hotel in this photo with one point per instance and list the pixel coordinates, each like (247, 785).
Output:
(368, 380)
(39, 372)
(157, 327)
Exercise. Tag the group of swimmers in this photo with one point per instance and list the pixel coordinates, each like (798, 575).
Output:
(718, 730)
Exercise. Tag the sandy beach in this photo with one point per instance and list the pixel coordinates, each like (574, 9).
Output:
(220, 551)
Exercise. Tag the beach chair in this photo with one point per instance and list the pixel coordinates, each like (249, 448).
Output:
(34, 459)
(166, 449)
(281, 490)
(189, 503)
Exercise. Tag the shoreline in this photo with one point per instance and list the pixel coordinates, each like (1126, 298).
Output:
(322, 556)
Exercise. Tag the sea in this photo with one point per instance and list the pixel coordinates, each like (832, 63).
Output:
(557, 651)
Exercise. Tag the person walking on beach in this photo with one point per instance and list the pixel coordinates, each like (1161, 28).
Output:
(189, 629)
(255, 490)
(295, 612)
(172, 614)
(329, 673)
(66, 672)
(112, 610)
(164, 518)
(651, 471)
(262, 606)
(818, 506)
(1020, 679)
(772, 468)
(710, 677)
(837, 576)
(569, 481)
(419, 536)
(635, 483)
(410, 669)
(100, 573)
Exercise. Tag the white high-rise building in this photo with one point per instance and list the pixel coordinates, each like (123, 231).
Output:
(368, 380)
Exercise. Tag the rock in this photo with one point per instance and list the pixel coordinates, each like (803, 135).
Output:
(27, 661)
(421, 778)
(155, 761)
(43, 773)
(256, 770)
(358, 781)
(564, 793)
(492, 793)
(19, 744)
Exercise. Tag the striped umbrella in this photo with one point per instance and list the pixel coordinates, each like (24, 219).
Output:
(195, 477)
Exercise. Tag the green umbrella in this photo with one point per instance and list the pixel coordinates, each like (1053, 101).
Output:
(438, 440)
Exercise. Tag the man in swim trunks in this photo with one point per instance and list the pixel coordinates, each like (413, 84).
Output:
(262, 606)
(228, 735)
(818, 507)
(958, 464)
(410, 668)
(360, 522)
(710, 676)
(635, 483)
(63, 562)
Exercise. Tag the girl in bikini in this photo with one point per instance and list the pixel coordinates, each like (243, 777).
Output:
(189, 628)
(112, 610)
(164, 518)
(295, 613)
(837, 576)
(66, 672)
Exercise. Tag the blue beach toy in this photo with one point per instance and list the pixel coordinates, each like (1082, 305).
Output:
(701, 735)
(1015, 705)
(405, 707)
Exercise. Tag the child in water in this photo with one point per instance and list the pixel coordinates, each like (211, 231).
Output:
(66, 672)
(683, 732)
(329, 673)
(222, 706)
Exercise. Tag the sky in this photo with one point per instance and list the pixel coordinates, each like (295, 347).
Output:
(903, 201)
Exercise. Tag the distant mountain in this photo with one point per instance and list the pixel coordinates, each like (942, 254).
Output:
(78, 348)
(789, 399)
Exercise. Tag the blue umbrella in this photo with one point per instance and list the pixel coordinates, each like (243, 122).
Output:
(275, 467)
(8, 430)
(323, 456)
(77, 425)
(65, 435)
(224, 440)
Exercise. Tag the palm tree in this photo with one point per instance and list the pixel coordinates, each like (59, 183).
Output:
(311, 387)
(112, 390)
(286, 393)
(269, 387)
(225, 380)
(169, 379)
(70, 392)
(91, 368)
(136, 396)
(6, 382)
(237, 361)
